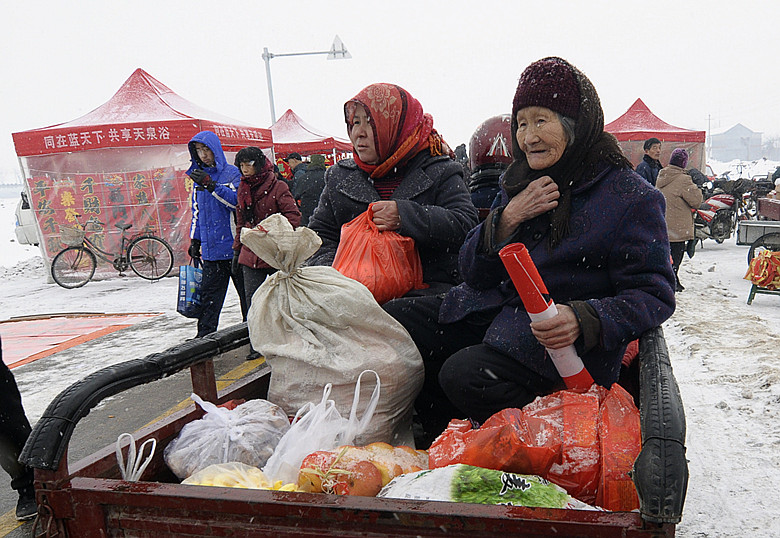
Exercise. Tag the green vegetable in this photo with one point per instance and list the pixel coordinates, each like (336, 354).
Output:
(486, 486)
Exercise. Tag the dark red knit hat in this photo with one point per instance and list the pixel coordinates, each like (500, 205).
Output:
(550, 83)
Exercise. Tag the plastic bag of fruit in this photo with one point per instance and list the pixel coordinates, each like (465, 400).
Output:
(248, 434)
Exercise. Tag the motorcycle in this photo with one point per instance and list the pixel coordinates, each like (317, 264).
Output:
(725, 202)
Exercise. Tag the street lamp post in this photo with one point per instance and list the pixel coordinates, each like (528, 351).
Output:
(337, 52)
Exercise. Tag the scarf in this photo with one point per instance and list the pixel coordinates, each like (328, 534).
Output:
(401, 128)
(581, 160)
(654, 163)
(246, 188)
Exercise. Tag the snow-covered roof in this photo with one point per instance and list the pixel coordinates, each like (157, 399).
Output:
(639, 123)
(291, 133)
(143, 112)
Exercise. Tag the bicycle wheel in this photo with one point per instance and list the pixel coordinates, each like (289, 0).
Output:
(150, 257)
(73, 267)
(770, 241)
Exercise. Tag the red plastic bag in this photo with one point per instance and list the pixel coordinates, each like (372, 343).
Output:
(503, 442)
(584, 442)
(387, 263)
(572, 420)
(621, 442)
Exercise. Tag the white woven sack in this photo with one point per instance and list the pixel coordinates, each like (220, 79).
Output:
(315, 326)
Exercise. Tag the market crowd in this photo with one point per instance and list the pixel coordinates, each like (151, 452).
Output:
(547, 176)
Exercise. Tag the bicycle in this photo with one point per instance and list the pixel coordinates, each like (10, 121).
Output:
(149, 256)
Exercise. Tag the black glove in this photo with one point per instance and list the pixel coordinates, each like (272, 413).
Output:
(194, 250)
(234, 267)
(203, 179)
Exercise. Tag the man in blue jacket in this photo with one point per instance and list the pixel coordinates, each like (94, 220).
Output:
(211, 234)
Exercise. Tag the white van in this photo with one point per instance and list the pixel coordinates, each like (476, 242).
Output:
(26, 229)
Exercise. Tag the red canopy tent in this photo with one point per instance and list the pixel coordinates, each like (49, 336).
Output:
(639, 123)
(123, 163)
(291, 133)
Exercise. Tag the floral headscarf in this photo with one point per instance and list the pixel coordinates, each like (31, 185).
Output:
(401, 128)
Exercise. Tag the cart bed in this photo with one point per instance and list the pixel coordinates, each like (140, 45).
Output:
(90, 499)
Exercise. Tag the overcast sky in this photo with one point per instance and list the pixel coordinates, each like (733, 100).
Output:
(704, 65)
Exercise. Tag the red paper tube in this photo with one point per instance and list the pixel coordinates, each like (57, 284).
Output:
(539, 305)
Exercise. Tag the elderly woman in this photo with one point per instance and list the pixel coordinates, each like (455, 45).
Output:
(596, 232)
(401, 163)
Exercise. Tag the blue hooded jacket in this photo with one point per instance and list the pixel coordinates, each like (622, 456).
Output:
(213, 213)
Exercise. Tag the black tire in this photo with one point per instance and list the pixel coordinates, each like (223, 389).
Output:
(722, 225)
(150, 257)
(73, 267)
(770, 241)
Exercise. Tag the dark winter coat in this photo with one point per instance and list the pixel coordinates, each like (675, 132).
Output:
(268, 197)
(614, 260)
(307, 190)
(212, 212)
(649, 169)
(681, 195)
(433, 202)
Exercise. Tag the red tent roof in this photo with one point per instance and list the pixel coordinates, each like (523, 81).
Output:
(638, 123)
(291, 133)
(143, 112)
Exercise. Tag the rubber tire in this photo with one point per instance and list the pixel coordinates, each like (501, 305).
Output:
(770, 241)
(62, 263)
(725, 220)
(150, 257)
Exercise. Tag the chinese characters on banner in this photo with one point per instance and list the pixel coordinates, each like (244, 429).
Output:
(154, 201)
(101, 137)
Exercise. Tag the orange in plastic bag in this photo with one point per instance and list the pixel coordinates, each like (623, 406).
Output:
(387, 263)
(503, 443)
(572, 420)
(621, 442)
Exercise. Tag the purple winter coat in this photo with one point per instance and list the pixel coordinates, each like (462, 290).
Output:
(615, 257)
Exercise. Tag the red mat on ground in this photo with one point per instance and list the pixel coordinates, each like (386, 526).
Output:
(30, 339)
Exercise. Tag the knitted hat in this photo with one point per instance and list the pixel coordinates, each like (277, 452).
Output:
(317, 159)
(679, 158)
(550, 83)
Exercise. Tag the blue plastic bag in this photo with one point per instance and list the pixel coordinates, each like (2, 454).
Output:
(189, 290)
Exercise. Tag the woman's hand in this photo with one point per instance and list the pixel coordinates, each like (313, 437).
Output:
(539, 197)
(386, 215)
(559, 331)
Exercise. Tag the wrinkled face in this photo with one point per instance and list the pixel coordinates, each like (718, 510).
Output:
(361, 134)
(540, 136)
(654, 152)
(204, 154)
(248, 168)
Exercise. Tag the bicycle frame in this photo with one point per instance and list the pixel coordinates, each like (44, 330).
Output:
(149, 256)
(119, 261)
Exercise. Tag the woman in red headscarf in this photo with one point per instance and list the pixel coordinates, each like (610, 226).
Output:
(403, 166)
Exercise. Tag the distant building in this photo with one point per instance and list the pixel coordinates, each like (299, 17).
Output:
(739, 142)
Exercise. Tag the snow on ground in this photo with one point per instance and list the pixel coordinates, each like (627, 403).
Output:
(725, 354)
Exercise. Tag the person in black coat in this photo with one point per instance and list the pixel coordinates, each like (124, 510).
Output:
(404, 168)
(650, 165)
(307, 187)
(14, 430)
